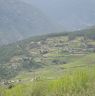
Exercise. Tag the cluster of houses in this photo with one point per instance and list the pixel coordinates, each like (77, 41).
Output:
(44, 46)
(62, 44)
(9, 83)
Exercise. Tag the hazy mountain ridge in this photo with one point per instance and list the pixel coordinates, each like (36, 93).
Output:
(71, 14)
(19, 20)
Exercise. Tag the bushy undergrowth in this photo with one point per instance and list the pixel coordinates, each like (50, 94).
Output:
(80, 83)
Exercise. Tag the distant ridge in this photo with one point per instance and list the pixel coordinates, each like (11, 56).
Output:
(19, 20)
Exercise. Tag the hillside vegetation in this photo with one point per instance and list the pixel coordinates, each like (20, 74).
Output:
(75, 83)
(48, 52)
(50, 65)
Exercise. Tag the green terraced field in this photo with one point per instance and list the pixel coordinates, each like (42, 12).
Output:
(55, 65)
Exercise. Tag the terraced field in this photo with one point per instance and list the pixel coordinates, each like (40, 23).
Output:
(58, 65)
(74, 81)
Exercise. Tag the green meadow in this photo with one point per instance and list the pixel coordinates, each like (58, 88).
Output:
(75, 81)
(51, 65)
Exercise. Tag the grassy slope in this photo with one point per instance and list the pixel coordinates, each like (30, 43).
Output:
(8, 51)
(77, 82)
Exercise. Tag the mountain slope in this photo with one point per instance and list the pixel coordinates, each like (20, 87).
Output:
(19, 20)
(72, 14)
(46, 52)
